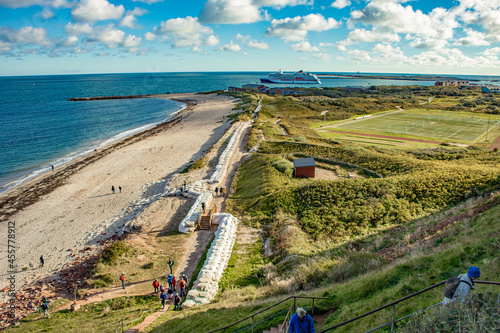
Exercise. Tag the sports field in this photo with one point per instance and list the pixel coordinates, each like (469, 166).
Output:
(442, 126)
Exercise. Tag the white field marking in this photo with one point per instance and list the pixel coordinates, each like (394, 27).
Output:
(461, 129)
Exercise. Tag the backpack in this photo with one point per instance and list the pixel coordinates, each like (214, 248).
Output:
(451, 286)
(45, 306)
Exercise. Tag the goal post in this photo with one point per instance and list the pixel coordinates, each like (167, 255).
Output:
(419, 123)
(398, 129)
(433, 118)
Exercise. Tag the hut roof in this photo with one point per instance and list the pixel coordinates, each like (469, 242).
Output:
(304, 162)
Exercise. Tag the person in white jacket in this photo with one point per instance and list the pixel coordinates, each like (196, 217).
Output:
(465, 286)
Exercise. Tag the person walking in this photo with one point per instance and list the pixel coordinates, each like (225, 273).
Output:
(465, 285)
(113, 189)
(301, 322)
(52, 167)
(169, 280)
(177, 302)
(120, 188)
(162, 288)
(173, 282)
(122, 279)
(45, 308)
(42, 262)
(163, 298)
(203, 207)
(182, 287)
(170, 293)
(223, 191)
(216, 190)
(185, 278)
(170, 264)
(156, 284)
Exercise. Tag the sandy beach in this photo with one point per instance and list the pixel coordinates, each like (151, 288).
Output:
(82, 211)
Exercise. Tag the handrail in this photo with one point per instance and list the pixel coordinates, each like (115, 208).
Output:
(286, 322)
(396, 302)
(269, 307)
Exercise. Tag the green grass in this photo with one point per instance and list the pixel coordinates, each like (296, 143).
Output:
(434, 125)
(95, 317)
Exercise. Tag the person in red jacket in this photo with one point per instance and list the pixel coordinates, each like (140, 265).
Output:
(156, 284)
(122, 279)
(173, 282)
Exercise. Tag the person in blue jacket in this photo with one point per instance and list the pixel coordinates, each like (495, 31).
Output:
(301, 322)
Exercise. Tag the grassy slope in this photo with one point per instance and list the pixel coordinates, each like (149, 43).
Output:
(359, 274)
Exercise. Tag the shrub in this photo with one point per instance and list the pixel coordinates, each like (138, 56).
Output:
(110, 255)
(283, 166)
(103, 280)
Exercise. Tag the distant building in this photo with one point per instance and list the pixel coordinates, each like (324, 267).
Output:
(355, 89)
(233, 89)
(490, 89)
(451, 83)
(304, 167)
(254, 87)
(286, 91)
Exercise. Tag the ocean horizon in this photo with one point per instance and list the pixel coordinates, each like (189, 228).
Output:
(40, 127)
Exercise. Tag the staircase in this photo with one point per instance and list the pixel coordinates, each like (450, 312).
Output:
(205, 222)
(278, 329)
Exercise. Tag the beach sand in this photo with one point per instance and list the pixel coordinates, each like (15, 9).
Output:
(82, 211)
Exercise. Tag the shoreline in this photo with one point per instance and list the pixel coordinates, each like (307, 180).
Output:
(20, 196)
(69, 215)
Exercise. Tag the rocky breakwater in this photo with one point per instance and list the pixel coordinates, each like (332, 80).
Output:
(207, 284)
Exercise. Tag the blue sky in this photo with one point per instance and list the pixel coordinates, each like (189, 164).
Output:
(108, 36)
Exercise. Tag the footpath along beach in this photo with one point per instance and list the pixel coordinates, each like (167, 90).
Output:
(75, 218)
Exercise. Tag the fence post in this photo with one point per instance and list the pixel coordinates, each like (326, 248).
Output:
(252, 324)
(393, 317)
(294, 308)
(312, 310)
(122, 325)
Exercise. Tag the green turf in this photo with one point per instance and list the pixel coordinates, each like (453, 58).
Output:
(435, 125)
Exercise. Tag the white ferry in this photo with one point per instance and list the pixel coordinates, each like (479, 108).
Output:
(295, 77)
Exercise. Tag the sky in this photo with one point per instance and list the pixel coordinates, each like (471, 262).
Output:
(39, 37)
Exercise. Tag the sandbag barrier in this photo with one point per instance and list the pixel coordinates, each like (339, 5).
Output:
(188, 224)
(224, 159)
(206, 285)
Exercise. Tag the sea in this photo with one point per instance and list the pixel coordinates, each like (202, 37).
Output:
(40, 128)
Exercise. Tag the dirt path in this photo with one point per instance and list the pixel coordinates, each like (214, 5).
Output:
(495, 144)
(385, 137)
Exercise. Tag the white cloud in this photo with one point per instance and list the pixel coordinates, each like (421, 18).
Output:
(211, 41)
(28, 3)
(326, 44)
(47, 14)
(493, 52)
(96, 10)
(242, 38)
(5, 47)
(196, 49)
(340, 4)
(230, 11)
(429, 43)
(256, 45)
(78, 29)
(322, 56)
(359, 55)
(130, 20)
(304, 46)
(131, 41)
(108, 35)
(342, 45)
(396, 18)
(362, 35)
(230, 47)
(70, 40)
(149, 2)
(25, 35)
(150, 36)
(474, 38)
(296, 29)
(185, 32)
(278, 4)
